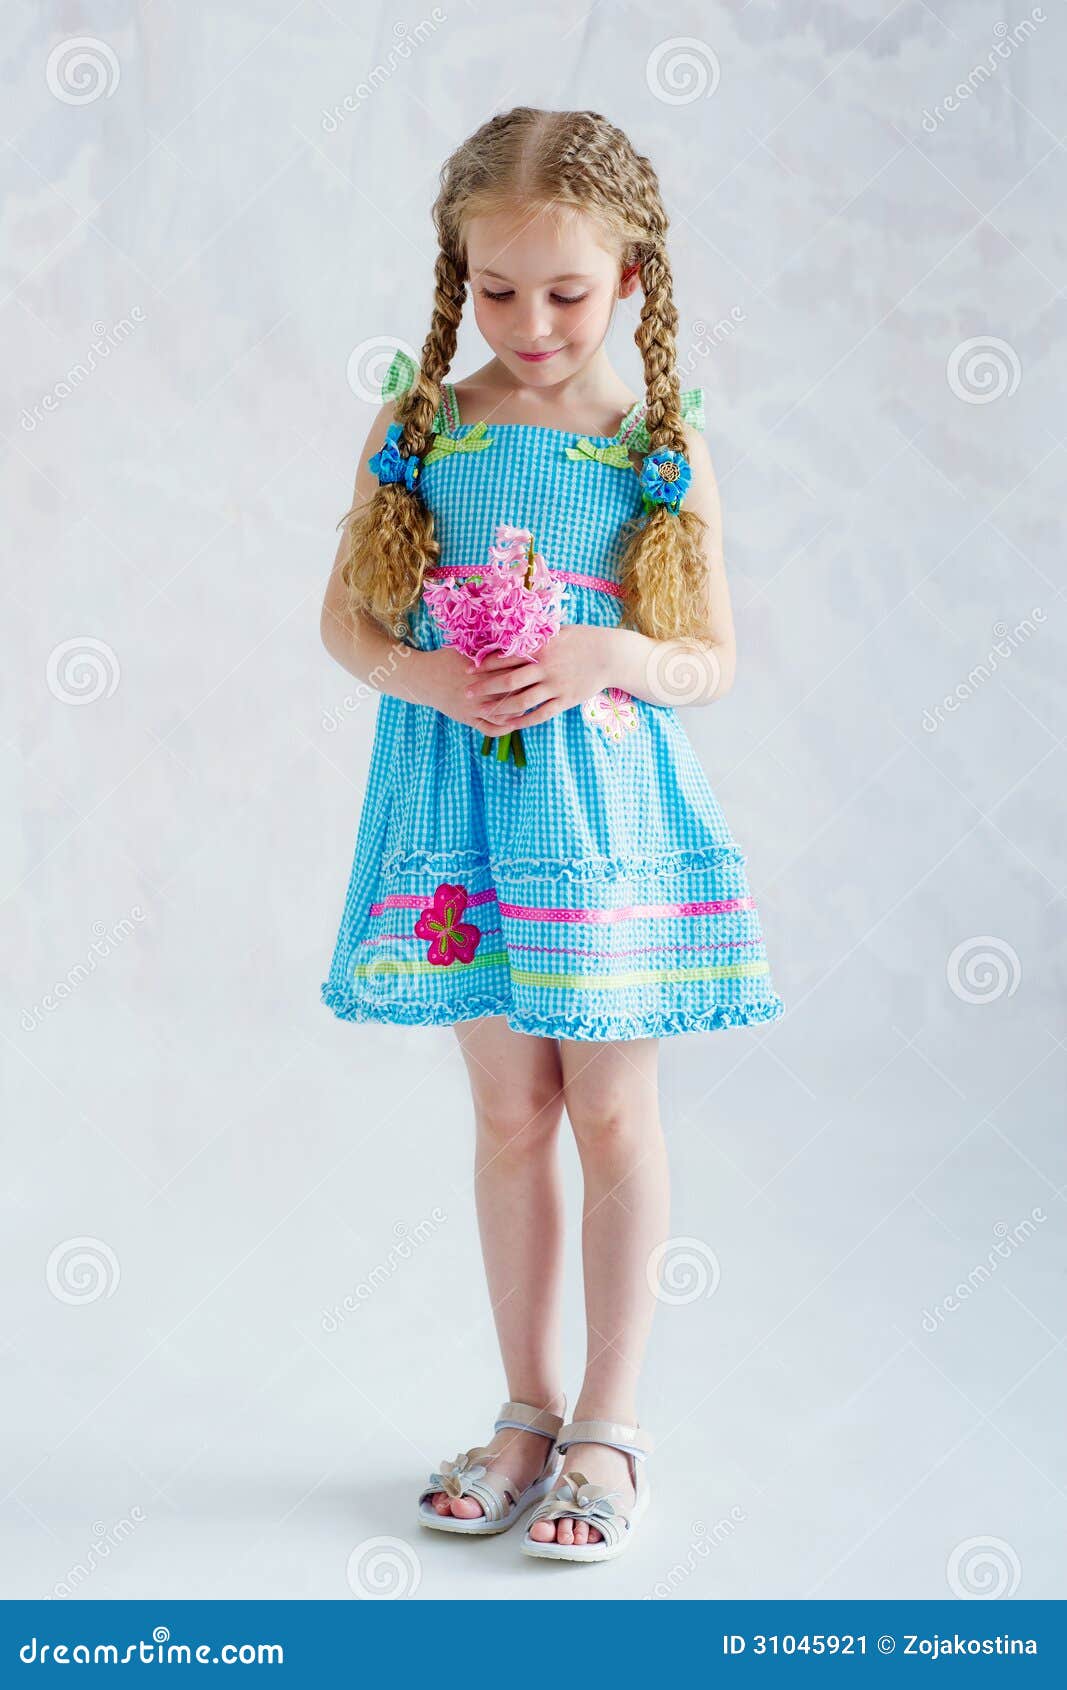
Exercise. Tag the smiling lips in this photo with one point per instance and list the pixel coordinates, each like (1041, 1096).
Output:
(538, 357)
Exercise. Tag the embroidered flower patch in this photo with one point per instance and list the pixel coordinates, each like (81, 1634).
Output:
(451, 939)
(613, 711)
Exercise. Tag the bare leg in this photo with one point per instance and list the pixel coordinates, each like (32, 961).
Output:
(611, 1096)
(517, 1089)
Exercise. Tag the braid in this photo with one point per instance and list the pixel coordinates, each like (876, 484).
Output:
(391, 539)
(663, 569)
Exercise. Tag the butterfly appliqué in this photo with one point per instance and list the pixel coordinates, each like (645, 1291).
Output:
(613, 711)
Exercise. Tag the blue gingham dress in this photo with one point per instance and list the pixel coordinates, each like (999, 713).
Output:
(595, 893)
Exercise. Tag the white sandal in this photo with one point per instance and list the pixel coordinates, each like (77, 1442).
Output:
(502, 1501)
(574, 1498)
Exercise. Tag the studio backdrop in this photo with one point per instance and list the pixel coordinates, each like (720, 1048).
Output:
(239, 1243)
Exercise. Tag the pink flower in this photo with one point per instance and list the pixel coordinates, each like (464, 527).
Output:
(511, 606)
(612, 710)
(494, 610)
(450, 938)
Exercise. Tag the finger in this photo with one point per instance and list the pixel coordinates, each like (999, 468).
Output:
(528, 699)
(502, 683)
(551, 707)
(502, 660)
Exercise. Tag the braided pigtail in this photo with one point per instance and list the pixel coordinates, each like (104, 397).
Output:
(390, 538)
(664, 573)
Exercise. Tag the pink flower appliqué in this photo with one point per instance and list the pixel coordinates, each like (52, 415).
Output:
(450, 937)
(612, 710)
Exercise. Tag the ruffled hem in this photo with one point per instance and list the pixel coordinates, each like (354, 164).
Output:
(352, 1008)
(662, 863)
(611, 1027)
(601, 1028)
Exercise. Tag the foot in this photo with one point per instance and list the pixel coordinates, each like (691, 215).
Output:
(518, 1457)
(601, 1466)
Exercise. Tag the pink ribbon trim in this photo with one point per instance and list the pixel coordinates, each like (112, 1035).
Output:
(535, 912)
(440, 572)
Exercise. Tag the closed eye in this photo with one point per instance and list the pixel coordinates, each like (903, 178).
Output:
(557, 298)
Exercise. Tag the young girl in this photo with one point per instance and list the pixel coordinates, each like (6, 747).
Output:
(565, 912)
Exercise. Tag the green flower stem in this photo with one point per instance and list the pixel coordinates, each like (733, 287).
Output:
(508, 745)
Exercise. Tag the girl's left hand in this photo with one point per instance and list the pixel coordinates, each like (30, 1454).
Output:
(518, 692)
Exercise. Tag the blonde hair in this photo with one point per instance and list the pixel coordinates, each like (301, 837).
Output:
(541, 159)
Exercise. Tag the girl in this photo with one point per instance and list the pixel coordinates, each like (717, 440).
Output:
(566, 912)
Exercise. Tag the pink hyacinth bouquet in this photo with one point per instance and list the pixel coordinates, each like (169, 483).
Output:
(511, 606)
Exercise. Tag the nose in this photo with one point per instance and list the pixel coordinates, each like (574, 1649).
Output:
(533, 321)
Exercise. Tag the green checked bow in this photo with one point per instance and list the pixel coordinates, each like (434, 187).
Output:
(614, 455)
(443, 445)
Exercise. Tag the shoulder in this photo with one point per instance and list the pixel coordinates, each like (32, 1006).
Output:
(703, 494)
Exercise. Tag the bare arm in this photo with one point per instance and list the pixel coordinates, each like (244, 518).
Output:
(359, 644)
(436, 678)
(685, 671)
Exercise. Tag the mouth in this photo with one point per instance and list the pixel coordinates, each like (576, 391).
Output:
(538, 357)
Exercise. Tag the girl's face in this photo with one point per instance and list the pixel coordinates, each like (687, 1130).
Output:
(544, 288)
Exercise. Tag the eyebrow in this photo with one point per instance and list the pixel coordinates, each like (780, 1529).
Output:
(571, 276)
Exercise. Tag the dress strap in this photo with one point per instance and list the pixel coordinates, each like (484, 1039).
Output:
(633, 435)
(400, 376)
(449, 410)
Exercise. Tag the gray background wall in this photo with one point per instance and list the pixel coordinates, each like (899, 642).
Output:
(858, 1368)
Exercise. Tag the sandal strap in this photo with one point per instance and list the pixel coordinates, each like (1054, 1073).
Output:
(616, 1434)
(491, 1493)
(525, 1418)
(575, 1498)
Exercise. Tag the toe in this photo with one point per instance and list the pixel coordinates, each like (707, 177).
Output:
(594, 1535)
(581, 1532)
(543, 1531)
(440, 1503)
(565, 1531)
(465, 1508)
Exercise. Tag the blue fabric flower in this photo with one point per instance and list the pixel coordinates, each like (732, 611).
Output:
(388, 464)
(665, 479)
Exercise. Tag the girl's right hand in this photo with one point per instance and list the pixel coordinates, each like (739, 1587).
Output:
(444, 675)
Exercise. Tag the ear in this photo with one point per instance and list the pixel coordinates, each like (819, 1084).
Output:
(629, 281)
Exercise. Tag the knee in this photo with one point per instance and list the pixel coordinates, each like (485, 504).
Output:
(604, 1121)
(519, 1125)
